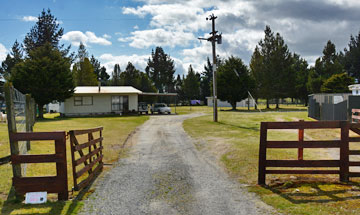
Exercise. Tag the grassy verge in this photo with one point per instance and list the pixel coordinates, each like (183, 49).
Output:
(116, 130)
(235, 140)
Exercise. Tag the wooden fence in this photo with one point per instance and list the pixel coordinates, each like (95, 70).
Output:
(342, 144)
(92, 161)
(51, 184)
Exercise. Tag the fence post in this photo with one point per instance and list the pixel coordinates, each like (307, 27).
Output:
(262, 154)
(344, 151)
(301, 139)
(61, 167)
(28, 117)
(72, 147)
(10, 112)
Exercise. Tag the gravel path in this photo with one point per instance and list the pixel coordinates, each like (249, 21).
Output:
(166, 174)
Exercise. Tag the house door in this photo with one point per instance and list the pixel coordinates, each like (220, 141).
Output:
(120, 103)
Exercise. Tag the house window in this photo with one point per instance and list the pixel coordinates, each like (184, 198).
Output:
(83, 100)
(120, 103)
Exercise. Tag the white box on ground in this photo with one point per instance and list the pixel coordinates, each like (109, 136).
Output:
(35, 197)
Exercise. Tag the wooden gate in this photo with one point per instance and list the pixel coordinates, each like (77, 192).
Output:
(92, 161)
(51, 184)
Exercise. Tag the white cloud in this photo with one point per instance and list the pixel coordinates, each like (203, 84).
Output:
(158, 37)
(136, 27)
(29, 18)
(3, 52)
(106, 36)
(75, 37)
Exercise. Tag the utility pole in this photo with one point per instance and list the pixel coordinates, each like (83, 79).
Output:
(214, 38)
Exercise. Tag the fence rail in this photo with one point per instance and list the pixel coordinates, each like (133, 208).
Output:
(342, 144)
(92, 161)
(51, 184)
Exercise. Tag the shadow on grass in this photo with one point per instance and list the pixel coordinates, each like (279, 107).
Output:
(253, 128)
(267, 110)
(60, 118)
(51, 207)
(316, 192)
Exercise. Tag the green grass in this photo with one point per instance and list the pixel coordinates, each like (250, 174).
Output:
(235, 141)
(116, 130)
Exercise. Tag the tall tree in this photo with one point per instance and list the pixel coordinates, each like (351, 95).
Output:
(271, 67)
(257, 72)
(115, 80)
(130, 76)
(160, 69)
(234, 81)
(191, 85)
(14, 57)
(325, 67)
(104, 76)
(300, 67)
(352, 56)
(84, 73)
(206, 80)
(46, 30)
(83, 69)
(46, 75)
(96, 66)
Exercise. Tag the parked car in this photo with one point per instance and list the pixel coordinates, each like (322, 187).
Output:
(143, 108)
(160, 108)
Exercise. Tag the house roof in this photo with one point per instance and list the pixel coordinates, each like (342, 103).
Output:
(106, 90)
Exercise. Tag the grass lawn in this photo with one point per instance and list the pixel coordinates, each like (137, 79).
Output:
(235, 141)
(116, 130)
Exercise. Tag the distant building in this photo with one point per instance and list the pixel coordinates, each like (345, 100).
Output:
(96, 100)
(243, 103)
(355, 88)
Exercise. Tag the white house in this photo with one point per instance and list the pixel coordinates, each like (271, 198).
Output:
(355, 88)
(243, 103)
(96, 100)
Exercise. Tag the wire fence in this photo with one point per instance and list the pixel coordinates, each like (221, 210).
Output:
(19, 101)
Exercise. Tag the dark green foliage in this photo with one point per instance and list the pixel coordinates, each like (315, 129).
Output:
(15, 56)
(160, 69)
(133, 77)
(191, 85)
(115, 79)
(104, 76)
(206, 81)
(352, 57)
(271, 68)
(45, 74)
(46, 30)
(84, 73)
(300, 67)
(326, 66)
(337, 83)
(234, 81)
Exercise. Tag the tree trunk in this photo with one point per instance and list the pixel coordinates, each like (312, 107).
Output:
(277, 103)
(306, 102)
(267, 104)
(256, 102)
(233, 105)
(41, 111)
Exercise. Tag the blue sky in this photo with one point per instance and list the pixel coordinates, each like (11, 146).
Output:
(124, 30)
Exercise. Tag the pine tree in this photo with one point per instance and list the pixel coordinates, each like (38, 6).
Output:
(352, 56)
(104, 76)
(115, 80)
(337, 83)
(46, 30)
(206, 80)
(234, 81)
(130, 76)
(14, 57)
(46, 82)
(191, 85)
(84, 73)
(160, 69)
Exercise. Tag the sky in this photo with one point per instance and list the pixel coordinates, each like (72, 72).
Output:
(119, 31)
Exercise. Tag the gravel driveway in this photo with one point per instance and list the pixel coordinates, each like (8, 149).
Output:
(165, 174)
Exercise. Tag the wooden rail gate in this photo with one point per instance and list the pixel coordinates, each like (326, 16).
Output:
(51, 184)
(94, 156)
(342, 144)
